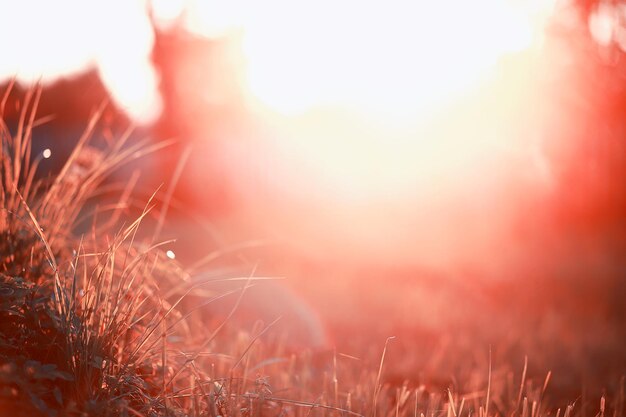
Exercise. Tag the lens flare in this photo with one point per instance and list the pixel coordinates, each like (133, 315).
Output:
(397, 119)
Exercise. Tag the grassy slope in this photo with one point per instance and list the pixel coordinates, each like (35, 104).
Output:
(97, 324)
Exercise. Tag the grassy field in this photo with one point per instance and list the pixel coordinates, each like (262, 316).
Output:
(97, 320)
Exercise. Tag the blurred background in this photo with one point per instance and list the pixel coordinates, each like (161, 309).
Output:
(452, 172)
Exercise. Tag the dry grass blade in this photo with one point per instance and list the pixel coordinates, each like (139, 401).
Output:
(215, 332)
(58, 287)
(254, 339)
(378, 385)
(170, 191)
(82, 141)
(522, 383)
(309, 405)
(5, 96)
(451, 402)
(488, 386)
(211, 257)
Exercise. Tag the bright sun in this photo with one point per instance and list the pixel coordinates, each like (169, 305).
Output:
(351, 88)
(368, 105)
(396, 58)
(387, 124)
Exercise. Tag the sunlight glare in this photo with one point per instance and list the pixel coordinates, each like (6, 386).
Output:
(607, 23)
(67, 37)
(351, 88)
(394, 57)
(166, 13)
(391, 124)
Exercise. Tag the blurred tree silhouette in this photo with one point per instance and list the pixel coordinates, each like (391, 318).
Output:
(590, 205)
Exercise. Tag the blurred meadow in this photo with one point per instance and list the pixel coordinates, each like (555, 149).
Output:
(291, 208)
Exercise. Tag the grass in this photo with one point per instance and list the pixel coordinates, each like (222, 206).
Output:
(96, 321)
